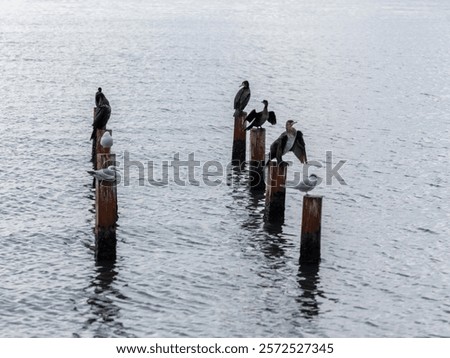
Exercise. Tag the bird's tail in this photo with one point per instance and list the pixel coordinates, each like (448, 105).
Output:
(93, 134)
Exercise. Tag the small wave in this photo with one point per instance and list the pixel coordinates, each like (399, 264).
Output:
(428, 231)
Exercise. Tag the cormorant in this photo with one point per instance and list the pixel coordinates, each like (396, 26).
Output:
(257, 119)
(98, 95)
(102, 113)
(242, 98)
(290, 140)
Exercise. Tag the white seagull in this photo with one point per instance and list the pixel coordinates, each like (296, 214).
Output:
(107, 174)
(106, 141)
(308, 184)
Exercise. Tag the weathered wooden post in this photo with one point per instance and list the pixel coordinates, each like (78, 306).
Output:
(311, 227)
(257, 156)
(105, 213)
(275, 192)
(239, 141)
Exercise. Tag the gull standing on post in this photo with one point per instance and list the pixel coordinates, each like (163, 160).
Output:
(241, 99)
(290, 140)
(308, 184)
(106, 140)
(107, 174)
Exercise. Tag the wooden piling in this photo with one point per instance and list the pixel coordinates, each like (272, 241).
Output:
(105, 213)
(257, 158)
(275, 192)
(311, 227)
(239, 141)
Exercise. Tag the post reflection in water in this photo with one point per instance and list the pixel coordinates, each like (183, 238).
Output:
(234, 173)
(275, 242)
(270, 236)
(104, 311)
(255, 211)
(308, 280)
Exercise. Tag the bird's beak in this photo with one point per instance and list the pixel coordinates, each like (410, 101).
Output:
(294, 122)
(242, 84)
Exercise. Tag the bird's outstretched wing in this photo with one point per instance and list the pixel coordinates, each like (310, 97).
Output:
(299, 147)
(282, 144)
(273, 150)
(276, 148)
(251, 116)
(272, 118)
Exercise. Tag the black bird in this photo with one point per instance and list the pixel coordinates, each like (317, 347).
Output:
(257, 119)
(290, 140)
(102, 113)
(98, 96)
(242, 98)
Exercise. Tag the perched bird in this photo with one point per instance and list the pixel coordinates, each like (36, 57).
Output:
(290, 140)
(98, 96)
(257, 119)
(102, 113)
(106, 141)
(308, 184)
(241, 99)
(107, 174)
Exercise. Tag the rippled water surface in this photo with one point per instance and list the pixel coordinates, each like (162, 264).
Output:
(366, 80)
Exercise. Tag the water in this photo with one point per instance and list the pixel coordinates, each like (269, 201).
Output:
(366, 80)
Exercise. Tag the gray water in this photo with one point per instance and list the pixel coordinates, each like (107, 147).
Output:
(366, 80)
